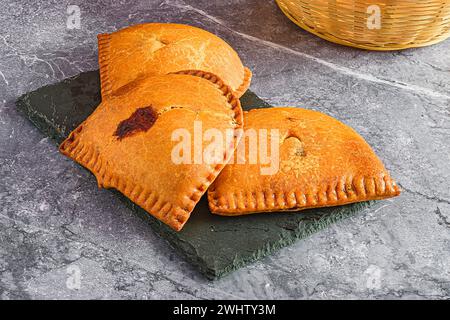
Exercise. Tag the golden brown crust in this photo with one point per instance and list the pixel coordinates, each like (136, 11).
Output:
(139, 165)
(158, 48)
(322, 163)
(245, 83)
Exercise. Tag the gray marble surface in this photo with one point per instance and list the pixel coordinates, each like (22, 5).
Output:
(56, 224)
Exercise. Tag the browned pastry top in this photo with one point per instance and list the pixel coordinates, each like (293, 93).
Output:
(127, 142)
(322, 163)
(160, 48)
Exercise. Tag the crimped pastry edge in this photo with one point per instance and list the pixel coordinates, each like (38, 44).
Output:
(343, 191)
(171, 214)
(103, 62)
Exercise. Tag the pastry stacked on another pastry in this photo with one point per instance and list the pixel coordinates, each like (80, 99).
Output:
(157, 79)
(161, 48)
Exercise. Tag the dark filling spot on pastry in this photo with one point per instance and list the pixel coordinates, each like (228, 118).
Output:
(140, 121)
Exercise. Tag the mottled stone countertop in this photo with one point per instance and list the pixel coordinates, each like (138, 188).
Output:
(55, 222)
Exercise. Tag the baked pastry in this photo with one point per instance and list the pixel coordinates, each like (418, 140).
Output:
(322, 162)
(128, 141)
(160, 48)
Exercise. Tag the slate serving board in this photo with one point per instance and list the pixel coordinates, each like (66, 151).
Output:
(215, 245)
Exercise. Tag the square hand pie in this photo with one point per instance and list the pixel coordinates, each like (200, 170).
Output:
(322, 162)
(160, 48)
(127, 142)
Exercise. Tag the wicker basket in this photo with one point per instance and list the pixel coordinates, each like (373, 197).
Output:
(402, 23)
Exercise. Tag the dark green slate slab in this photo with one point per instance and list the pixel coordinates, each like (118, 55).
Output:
(215, 245)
